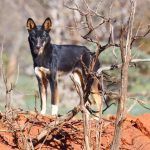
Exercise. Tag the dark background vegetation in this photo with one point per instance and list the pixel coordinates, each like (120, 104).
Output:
(17, 61)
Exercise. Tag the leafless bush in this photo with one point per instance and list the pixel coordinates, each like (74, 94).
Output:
(125, 43)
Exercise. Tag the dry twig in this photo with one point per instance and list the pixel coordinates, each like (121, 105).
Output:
(126, 57)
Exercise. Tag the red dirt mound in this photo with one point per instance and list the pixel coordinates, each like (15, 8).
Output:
(17, 129)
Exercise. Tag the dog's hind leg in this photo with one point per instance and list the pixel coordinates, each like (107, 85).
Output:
(42, 82)
(77, 78)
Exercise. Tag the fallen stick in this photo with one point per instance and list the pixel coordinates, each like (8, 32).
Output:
(55, 123)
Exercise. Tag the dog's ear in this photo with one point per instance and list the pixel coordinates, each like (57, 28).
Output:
(47, 24)
(30, 24)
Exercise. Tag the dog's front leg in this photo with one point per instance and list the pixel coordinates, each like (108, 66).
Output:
(42, 82)
(54, 95)
(43, 94)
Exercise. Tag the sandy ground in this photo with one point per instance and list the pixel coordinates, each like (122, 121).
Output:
(18, 127)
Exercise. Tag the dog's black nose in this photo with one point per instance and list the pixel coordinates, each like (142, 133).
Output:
(38, 47)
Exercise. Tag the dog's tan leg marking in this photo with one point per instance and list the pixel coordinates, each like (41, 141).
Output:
(95, 93)
(77, 78)
(77, 74)
(43, 88)
(45, 71)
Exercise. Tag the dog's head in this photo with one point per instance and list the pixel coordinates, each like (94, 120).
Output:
(38, 35)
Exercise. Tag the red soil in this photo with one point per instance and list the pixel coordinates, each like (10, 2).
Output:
(15, 130)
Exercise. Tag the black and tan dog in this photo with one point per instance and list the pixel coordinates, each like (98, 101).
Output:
(50, 59)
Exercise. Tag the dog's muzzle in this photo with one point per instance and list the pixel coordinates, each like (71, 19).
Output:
(39, 50)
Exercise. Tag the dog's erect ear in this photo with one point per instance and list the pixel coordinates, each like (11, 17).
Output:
(47, 24)
(30, 24)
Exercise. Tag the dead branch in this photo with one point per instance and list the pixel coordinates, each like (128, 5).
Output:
(99, 122)
(87, 15)
(85, 115)
(53, 124)
(126, 57)
(134, 38)
(9, 87)
(117, 66)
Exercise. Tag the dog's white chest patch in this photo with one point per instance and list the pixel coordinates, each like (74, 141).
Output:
(40, 71)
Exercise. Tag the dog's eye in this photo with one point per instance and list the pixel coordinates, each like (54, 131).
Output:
(33, 38)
